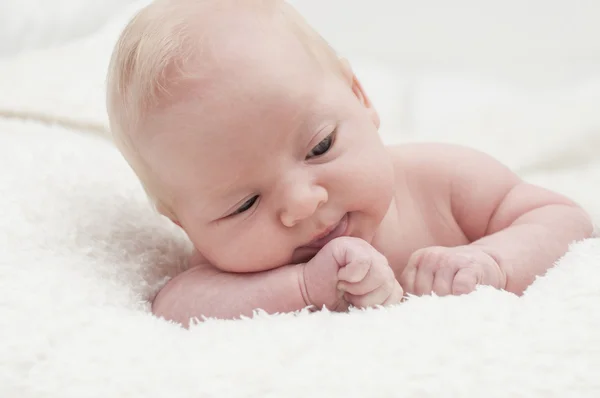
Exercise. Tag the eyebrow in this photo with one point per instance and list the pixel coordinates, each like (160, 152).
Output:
(228, 189)
(225, 190)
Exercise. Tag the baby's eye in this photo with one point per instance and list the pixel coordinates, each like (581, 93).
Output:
(246, 206)
(322, 147)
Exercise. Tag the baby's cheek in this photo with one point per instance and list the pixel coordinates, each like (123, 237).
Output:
(249, 253)
(374, 180)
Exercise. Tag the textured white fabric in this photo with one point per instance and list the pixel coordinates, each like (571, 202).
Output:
(64, 83)
(81, 252)
(30, 24)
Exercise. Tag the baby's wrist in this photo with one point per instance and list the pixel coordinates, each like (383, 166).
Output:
(301, 268)
(318, 283)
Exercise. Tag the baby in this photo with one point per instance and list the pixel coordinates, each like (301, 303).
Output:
(248, 132)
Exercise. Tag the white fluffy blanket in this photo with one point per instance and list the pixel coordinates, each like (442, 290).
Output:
(81, 252)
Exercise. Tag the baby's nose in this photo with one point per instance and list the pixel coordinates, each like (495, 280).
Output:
(302, 203)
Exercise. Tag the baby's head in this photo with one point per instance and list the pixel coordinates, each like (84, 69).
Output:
(246, 130)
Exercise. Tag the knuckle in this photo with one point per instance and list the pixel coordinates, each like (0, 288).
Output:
(430, 262)
(426, 256)
(362, 261)
(348, 241)
(417, 256)
(380, 273)
(342, 243)
(337, 245)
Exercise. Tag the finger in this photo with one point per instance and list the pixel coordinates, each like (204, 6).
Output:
(442, 281)
(396, 296)
(377, 275)
(465, 281)
(356, 270)
(424, 278)
(407, 279)
(371, 299)
(409, 275)
(492, 274)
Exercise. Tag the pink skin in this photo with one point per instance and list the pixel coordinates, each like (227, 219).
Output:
(454, 270)
(218, 164)
(349, 271)
(342, 227)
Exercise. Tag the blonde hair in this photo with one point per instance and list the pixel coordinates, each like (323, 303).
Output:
(152, 56)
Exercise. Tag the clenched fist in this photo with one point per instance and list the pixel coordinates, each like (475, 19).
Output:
(451, 270)
(349, 271)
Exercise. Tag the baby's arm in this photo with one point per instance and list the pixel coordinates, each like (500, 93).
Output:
(524, 228)
(345, 271)
(206, 291)
(529, 230)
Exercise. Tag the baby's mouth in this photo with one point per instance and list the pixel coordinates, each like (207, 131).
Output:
(334, 231)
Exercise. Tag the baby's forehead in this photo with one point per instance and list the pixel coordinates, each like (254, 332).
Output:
(257, 93)
(240, 67)
(241, 129)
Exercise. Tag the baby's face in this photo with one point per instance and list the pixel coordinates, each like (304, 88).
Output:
(277, 162)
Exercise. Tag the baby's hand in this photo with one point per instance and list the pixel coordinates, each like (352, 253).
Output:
(363, 277)
(451, 270)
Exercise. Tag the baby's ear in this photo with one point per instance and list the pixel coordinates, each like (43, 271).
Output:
(359, 91)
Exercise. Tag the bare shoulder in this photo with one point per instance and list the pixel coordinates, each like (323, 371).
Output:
(449, 165)
(469, 182)
(423, 168)
(441, 158)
